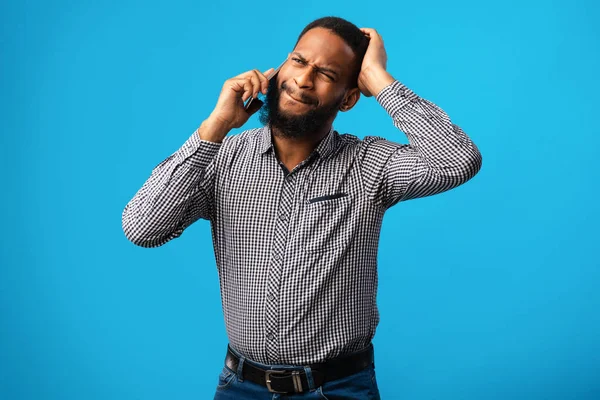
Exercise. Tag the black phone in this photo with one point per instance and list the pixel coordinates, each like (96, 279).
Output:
(254, 104)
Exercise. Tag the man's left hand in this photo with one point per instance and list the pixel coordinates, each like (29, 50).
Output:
(373, 76)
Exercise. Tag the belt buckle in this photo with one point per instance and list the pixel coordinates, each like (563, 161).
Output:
(268, 379)
(295, 380)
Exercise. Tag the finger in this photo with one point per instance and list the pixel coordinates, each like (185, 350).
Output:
(268, 72)
(245, 74)
(241, 86)
(368, 31)
(263, 82)
(242, 75)
(254, 82)
(371, 33)
(259, 82)
(267, 75)
(248, 90)
(236, 84)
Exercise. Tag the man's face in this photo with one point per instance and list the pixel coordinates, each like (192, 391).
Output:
(311, 85)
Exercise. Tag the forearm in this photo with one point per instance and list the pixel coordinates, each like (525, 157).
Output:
(213, 130)
(443, 148)
(175, 195)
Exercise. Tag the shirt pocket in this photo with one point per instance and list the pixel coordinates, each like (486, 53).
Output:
(325, 224)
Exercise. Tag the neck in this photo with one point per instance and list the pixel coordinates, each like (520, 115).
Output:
(292, 151)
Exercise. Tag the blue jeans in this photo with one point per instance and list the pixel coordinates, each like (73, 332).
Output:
(359, 386)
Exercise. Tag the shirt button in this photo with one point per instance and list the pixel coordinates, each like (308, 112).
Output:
(270, 336)
(271, 297)
(277, 257)
(282, 217)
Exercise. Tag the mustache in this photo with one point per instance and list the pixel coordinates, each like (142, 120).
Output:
(299, 95)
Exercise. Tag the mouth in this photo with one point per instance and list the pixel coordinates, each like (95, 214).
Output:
(297, 100)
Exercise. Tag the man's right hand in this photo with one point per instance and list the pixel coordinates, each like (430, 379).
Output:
(229, 113)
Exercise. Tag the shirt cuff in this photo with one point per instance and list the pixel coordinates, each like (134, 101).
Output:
(197, 152)
(394, 97)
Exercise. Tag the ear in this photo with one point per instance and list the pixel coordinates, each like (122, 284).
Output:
(350, 99)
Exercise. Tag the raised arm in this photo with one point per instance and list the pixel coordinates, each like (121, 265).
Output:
(178, 192)
(180, 189)
(439, 156)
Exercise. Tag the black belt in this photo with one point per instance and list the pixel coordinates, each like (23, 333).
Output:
(295, 381)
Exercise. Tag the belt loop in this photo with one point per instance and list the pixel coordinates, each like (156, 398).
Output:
(309, 378)
(373, 355)
(240, 369)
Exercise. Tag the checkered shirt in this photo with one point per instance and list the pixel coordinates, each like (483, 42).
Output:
(296, 251)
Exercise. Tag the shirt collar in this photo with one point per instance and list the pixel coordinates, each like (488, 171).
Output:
(324, 148)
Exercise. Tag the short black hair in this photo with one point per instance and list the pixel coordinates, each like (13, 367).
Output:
(350, 33)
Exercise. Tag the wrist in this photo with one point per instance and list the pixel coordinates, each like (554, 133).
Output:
(213, 130)
(376, 79)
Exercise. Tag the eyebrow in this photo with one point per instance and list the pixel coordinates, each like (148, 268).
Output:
(325, 69)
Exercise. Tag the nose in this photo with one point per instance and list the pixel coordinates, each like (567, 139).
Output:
(304, 79)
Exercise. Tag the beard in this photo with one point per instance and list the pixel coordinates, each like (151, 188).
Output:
(291, 125)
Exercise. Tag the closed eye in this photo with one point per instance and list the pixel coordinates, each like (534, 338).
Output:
(329, 77)
(322, 72)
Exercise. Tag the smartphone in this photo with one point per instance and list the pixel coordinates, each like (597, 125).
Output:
(253, 104)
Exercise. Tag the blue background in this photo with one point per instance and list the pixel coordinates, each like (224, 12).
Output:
(489, 291)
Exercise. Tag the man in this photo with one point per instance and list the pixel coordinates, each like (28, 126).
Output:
(296, 210)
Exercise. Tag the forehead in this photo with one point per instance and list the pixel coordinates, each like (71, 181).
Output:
(323, 47)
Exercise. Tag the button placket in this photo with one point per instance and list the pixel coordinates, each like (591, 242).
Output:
(272, 311)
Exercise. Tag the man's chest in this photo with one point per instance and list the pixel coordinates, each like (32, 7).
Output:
(315, 207)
